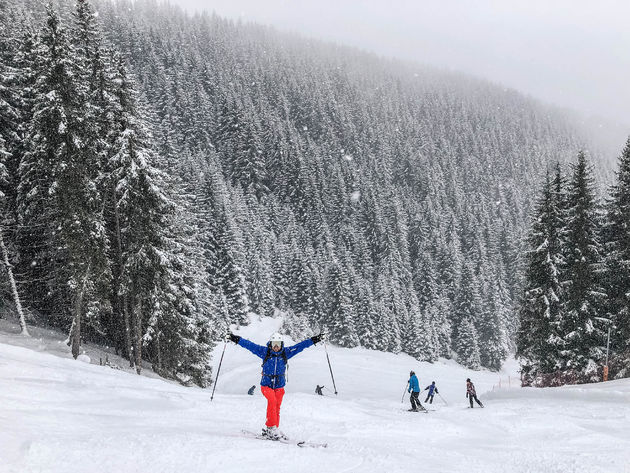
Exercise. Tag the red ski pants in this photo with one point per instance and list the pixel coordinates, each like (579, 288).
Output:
(274, 399)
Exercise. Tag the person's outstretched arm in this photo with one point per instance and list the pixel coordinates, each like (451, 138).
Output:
(297, 348)
(257, 350)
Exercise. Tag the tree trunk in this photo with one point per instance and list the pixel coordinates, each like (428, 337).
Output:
(16, 295)
(75, 331)
(137, 312)
(159, 352)
(122, 300)
(129, 345)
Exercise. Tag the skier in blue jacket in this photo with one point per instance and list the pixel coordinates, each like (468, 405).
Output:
(275, 357)
(433, 390)
(414, 389)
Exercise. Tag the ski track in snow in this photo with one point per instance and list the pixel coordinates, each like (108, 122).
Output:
(60, 415)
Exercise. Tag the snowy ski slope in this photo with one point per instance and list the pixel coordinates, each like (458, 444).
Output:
(61, 415)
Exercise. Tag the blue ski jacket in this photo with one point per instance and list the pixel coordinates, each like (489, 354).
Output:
(414, 385)
(275, 367)
(431, 388)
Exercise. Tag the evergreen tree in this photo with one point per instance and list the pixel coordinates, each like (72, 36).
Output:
(492, 334)
(582, 326)
(468, 305)
(467, 346)
(222, 250)
(340, 314)
(61, 206)
(616, 235)
(9, 114)
(539, 339)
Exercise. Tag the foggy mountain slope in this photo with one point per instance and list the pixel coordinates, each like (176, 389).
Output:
(380, 199)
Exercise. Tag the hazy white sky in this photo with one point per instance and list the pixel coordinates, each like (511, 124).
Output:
(573, 53)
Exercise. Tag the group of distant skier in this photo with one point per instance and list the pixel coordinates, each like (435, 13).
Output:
(275, 358)
(413, 387)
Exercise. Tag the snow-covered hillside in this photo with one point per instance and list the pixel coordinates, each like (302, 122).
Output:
(60, 415)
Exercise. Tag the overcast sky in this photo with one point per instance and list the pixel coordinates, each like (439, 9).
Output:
(573, 53)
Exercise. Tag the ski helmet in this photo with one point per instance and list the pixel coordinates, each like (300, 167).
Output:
(276, 340)
(411, 373)
(468, 380)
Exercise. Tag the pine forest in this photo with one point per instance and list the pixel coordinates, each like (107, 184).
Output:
(164, 176)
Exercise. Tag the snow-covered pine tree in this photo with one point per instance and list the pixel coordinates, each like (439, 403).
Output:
(616, 236)
(467, 345)
(340, 310)
(539, 338)
(303, 287)
(249, 167)
(419, 338)
(366, 314)
(10, 119)
(583, 324)
(20, 81)
(60, 198)
(179, 336)
(492, 334)
(468, 304)
(388, 331)
(159, 302)
(260, 284)
(439, 314)
(10, 122)
(221, 246)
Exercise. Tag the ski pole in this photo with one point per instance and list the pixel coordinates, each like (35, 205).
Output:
(404, 392)
(442, 399)
(218, 371)
(330, 367)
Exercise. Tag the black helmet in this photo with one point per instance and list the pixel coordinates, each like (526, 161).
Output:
(468, 380)
(411, 373)
(432, 382)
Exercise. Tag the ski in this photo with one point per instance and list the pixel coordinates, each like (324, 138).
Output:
(299, 443)
(423, 411)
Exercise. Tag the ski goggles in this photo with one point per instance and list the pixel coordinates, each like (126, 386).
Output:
(276, 343)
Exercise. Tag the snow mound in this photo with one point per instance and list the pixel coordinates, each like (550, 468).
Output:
(84, 359)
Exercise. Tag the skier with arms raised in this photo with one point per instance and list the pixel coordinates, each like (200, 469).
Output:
(275, 357)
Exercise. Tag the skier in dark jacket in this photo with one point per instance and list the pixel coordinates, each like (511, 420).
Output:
(318, 390)
(414, 389)
(471, 393)
(275, 356)
(433, 390)
(251, 390)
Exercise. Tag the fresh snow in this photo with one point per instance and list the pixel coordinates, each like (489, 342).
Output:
(60, 415)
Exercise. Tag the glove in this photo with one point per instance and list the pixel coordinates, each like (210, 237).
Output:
(233, 338)
(317, 338)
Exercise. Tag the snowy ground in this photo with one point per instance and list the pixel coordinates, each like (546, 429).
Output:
(60, 415)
